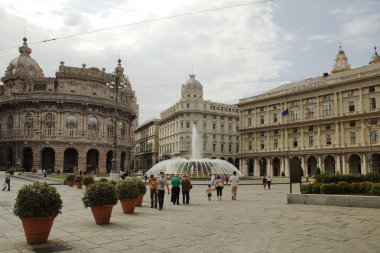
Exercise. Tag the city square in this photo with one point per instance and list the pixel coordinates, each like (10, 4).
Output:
(258, 221)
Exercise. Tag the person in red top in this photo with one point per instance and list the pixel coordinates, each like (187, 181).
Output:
(153, 191)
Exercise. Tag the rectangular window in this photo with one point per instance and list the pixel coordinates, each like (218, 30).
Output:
(310, 113)
(204, 125)
(327, 111)
(295, 142)
(214, 147)
(221, 147)
(351, 93)
(372, 103)
(50, 86)
(261, 109)
(250, 145)
(262, 133)
(351, 106)
(275, 118)
(230, 148)
(276, 132)
(353, 123)
(294, 115)
(295, 130)
(311, 140)
(72, 88)
(311, 128)
(353, 137)
(374, 136)
(237, 148)
(275, 143)
(214, 136)
(311, 101)
(371, 89)
(93, 91)
(262, 144)
(213, 126)
(261, 119)
(328, 139)
(328, 126)
(249, 121)
(295, 104)
(187, 124)
(327, 98)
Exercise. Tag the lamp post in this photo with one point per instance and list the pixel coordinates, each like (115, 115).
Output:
(119, 71)
(370, 126)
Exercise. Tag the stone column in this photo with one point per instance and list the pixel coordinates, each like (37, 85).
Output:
(256, 168)
(269, 167)
(338, 166)
(344, 164)
(82, 155)
(282, 165)
(320, 163)
(364, 165)
(304, 167)
(287, 170)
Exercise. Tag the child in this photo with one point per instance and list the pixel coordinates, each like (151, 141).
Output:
(208, 191)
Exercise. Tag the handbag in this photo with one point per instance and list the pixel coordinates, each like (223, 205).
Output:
(190, 186)
(221, 184)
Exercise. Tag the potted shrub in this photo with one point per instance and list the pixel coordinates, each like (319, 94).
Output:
(142, 190)
(78, 181)
(34, 171)
(37, 205)
(101, 197)
(58, 172)
(70, 179)
(127, 192)
(88, 180)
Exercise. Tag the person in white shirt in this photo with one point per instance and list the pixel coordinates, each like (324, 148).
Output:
(234, 181)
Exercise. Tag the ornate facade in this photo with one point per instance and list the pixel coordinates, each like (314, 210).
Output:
(217, 124)
(146, 145)
(329, 122)
(65, 122)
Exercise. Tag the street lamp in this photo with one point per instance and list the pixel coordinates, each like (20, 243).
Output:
(370, 126)
(117, 75)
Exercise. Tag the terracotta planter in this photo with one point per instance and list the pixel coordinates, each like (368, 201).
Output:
(139, 200)
(102, 214)
(37, 229)
(79, 185)
(70, 183)
(128, 205)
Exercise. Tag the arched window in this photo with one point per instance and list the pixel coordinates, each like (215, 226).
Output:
(72, 125)
(49, 124)
(10, 125)
(110, 129)
(92, 127)
(28, 125)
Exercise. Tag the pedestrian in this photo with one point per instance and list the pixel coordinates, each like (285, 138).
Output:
(162, 182)
(264, 182)
(209, 192)
(219, 185)
(269, 181)
(176, 182)
(234, 180)
(146, 178)
(213, 181)
(186, 186)
(226, 178)
(153, 191)
(7, 181)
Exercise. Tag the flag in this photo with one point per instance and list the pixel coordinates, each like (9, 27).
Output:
(285, 112)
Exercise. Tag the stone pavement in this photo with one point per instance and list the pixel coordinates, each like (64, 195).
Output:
(259, 221)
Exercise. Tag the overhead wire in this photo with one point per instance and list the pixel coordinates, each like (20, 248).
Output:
(141, 22)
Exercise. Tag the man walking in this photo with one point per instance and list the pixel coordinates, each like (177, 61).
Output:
(234, 180)
(161, 181)
(175, 189)
(153, 191)
(7, 181)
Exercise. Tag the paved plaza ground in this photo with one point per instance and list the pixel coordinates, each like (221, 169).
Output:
(258, 221)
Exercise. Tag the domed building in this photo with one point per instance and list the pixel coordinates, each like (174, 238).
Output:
(64, 122)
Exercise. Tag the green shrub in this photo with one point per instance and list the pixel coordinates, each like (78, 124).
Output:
(140, 185)
(37, 200)
(365, 187)
(113, 182)
(307, 188)
(88, 180)
(316, 189)
(328, 188)
(78, 179)
(375, 189)
(100, 194)
(343, 188)
(127, 189)
(103, 179)
(349, 178)
(70, 178)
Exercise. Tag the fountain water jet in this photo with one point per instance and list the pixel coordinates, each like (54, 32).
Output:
(196, 167)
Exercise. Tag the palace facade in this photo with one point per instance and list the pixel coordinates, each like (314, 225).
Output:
(330, 122)
(216, 125)
(64, 122)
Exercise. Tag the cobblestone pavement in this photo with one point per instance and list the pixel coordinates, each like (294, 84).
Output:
(258, 221)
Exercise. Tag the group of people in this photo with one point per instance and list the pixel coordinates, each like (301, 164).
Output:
(157, 190)
(217, 183)
(267, 181)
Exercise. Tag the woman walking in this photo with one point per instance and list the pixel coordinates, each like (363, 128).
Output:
(219, 185)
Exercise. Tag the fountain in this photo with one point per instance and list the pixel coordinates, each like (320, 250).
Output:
(196, 167)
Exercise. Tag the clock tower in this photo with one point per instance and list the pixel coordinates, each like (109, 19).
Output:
(341, 62)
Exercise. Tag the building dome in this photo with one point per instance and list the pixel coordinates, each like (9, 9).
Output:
(192, 88)
(24, 65)
(375, 58)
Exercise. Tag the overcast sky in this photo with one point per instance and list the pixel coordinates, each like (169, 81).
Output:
(234, 52)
